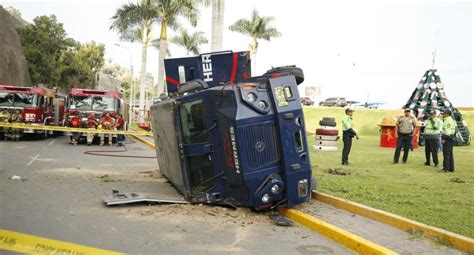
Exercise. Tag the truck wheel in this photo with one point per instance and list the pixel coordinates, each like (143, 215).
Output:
(327, 123)
(192, 86)
(331, 119)
(291, 70)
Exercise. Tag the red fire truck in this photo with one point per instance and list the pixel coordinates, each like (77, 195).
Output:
(38, 105)
(82, 102)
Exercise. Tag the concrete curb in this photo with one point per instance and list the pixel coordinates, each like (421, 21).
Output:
(146, 142)
(458, 241)
(349, 240)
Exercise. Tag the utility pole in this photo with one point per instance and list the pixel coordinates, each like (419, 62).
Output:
(131, 95)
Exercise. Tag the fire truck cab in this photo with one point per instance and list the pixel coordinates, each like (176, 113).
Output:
(82, 102)
(37, 105)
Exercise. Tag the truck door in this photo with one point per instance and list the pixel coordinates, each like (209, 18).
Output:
(197, 149)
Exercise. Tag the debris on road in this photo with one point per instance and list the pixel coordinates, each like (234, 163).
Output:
(281, 221)
(15, 177)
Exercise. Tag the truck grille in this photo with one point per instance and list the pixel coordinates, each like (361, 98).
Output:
(260, 145)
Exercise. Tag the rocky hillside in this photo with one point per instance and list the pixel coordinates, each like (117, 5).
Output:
(13, 68)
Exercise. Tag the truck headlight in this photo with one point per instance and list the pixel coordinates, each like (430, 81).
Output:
(275, 189)
(262, 104)
(251, 97)
(303, 188)
(266, 198)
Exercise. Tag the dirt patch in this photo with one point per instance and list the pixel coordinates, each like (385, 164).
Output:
(338, 171)
(212, 214)
(457, 180)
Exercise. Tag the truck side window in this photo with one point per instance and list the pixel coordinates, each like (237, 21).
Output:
(181, 74)
(193, 122)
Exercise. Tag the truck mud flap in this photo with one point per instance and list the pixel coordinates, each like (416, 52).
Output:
(135, 197)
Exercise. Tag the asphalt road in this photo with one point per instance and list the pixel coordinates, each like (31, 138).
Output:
(59, 197)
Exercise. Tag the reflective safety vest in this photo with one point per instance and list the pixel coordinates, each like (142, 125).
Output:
(346, 122)
(449, 127)
(432, 126)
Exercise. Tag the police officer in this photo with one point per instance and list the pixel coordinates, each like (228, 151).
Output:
(447, 138)
(404, 131)
(5, 117)
(347, 134)
(431, 134)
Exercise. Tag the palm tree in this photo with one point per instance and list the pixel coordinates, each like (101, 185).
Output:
(133, 22)
(258, 27)
(168, 12)
(217, 24)
(190, 42)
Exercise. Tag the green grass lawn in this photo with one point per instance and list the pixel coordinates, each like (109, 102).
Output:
(411, 190)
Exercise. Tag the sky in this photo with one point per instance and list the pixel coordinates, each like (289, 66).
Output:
(373, 51)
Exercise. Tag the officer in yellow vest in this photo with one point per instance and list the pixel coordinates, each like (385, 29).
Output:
(5, 117)
(431, 135)
(447, 138)
(347, 134)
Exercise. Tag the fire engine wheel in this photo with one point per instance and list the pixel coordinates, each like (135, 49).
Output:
(292, 70)
(327, 123)
(322, 131)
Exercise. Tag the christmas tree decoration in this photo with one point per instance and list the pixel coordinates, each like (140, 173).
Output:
(430, 95)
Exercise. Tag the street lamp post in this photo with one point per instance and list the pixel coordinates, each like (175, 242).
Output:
(132, 92)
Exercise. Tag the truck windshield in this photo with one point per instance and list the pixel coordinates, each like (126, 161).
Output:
(6, 99)
(98, 103)
(18, 99)
(81, 102)
(103, 103)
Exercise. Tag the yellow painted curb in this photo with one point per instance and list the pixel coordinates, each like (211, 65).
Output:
(349, 240)
(143, 140)
(458, 241)
(28, 244)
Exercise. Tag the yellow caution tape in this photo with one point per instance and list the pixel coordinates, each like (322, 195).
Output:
(70, 129)
(28, 244)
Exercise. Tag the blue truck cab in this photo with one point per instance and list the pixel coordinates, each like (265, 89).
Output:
(234, 142)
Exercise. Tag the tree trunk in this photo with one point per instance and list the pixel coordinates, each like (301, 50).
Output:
(141, 105)
(161, 57)
(217, 24)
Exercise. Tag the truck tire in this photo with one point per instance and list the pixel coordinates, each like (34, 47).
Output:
(291, 70)
(323, 131)
(327, 123)
(192, 86)
(329, 119)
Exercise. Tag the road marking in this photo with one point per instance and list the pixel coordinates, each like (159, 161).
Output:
(32, 160)
(29, 244)
(51, 143)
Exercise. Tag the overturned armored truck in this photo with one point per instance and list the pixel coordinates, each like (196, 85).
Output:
(232, 139)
